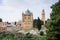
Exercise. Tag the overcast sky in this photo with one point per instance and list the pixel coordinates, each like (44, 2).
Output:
(11, 10)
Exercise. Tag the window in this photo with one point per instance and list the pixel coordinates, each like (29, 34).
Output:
(28, 17)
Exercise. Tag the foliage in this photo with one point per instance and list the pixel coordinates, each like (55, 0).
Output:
(37, 23)
(0, 20)
(29, 36)
(53, 24)
(19, 36)
(15, 23)
(42, 33)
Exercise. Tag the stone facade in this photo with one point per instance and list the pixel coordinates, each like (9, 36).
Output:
(27, 21)
(3, 27)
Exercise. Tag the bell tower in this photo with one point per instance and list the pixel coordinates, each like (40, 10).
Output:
(43, 16)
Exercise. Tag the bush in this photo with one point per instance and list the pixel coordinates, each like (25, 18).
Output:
(41, 33)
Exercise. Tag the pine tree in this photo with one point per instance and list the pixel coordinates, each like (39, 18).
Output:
(37, 23)
(53, 24)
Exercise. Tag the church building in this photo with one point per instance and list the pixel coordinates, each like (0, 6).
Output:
(27, 20)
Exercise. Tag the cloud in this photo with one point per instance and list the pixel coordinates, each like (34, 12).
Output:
(11, 10)
(0, 2)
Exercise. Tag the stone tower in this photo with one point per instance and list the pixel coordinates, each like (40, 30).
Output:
(43, 16)
(27, 19)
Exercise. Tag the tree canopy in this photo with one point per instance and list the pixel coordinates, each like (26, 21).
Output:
(0, 19)
(53, 24)
(37, 23)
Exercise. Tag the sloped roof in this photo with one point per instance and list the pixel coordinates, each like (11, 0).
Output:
(27, 11)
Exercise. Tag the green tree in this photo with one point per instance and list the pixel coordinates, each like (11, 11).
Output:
(37, 23)
(29, 36)
(53, 24)
(0, 19)
(42, 33)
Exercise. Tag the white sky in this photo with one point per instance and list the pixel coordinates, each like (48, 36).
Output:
(11, 10)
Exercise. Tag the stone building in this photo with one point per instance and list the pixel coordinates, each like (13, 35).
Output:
(27, 21)
(3, 27)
